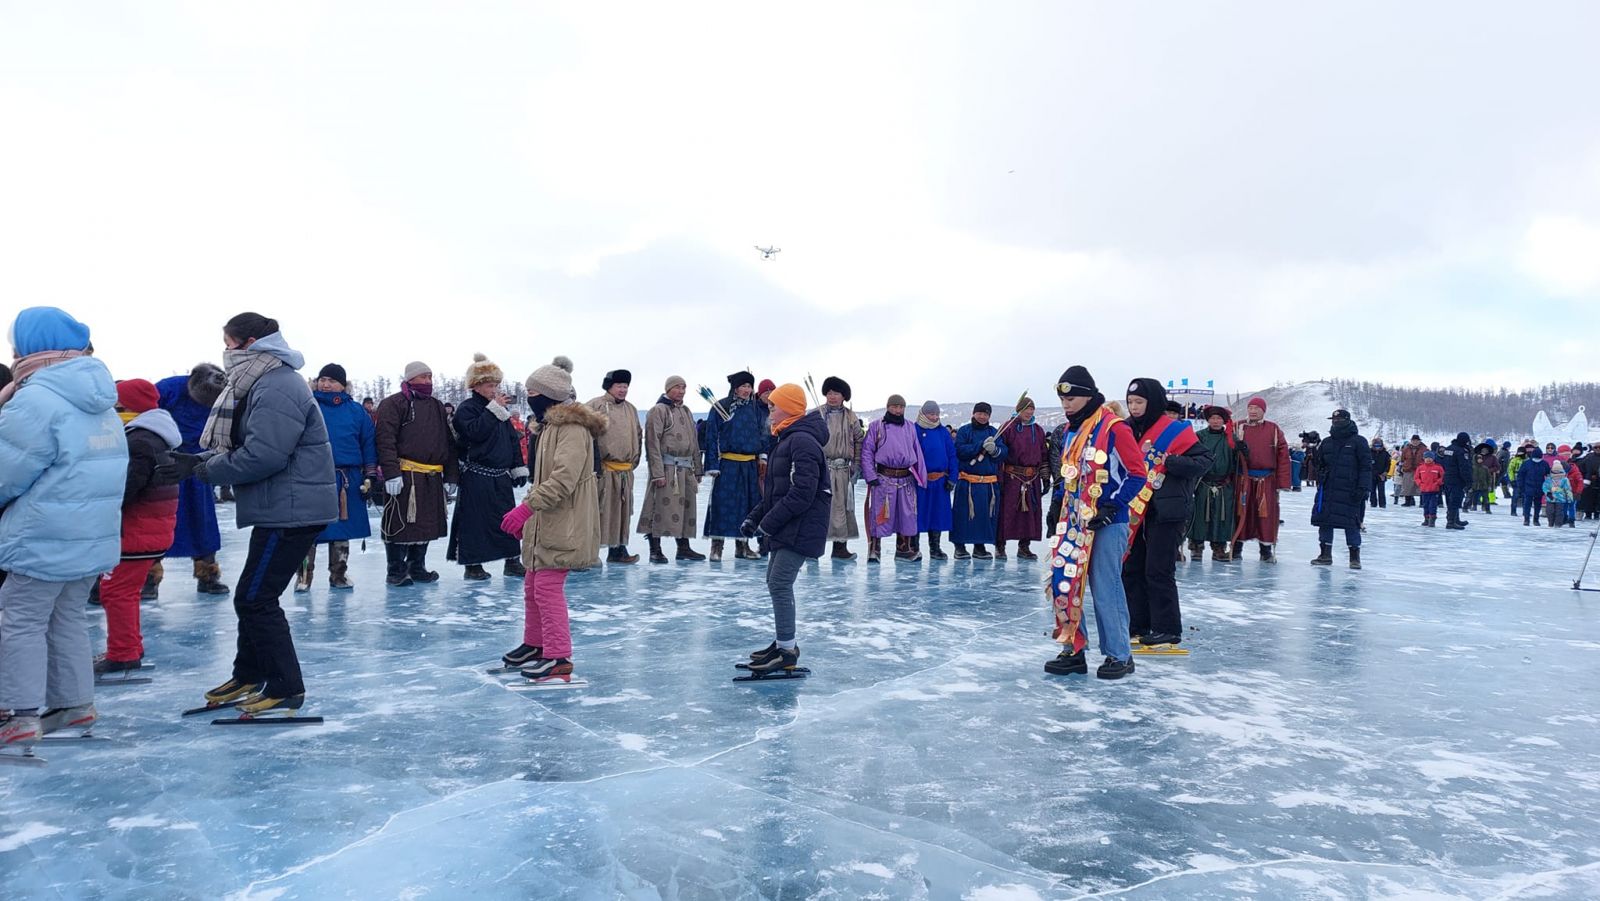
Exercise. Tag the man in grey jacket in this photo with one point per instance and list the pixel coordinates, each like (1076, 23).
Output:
(266, 438)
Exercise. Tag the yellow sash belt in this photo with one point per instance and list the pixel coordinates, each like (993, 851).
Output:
(617, 466)
(414, 466)
(739, 458)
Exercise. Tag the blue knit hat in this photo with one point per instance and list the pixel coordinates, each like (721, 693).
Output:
(40, 329)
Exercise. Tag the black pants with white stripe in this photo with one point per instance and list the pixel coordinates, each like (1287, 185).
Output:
(266, 650)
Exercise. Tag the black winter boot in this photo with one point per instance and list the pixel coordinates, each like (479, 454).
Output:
(417, 564)
(1325, 558)
(936, 552)
(396, 554)
(656, 555)
(685, 552)
(1355, 558)
(961, 552)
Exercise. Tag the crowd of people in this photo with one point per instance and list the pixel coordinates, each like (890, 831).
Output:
(105, 479)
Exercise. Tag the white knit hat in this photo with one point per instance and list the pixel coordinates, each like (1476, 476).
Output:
(416, 368)
(553, 380)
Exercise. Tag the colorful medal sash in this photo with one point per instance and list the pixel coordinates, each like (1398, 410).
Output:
(1156, 474)
(1084, 475)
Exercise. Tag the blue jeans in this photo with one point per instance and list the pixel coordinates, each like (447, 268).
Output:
(1532, 505)
(1430, 503)
(1352, 537)
(1110, 598)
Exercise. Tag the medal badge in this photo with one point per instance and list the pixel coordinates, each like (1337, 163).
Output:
(1100, 457)
(1157, 479)
(1095, 491)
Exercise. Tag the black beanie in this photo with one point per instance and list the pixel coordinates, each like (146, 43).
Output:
(981, 407)
(1080, 381)
(334, 371)
(1150, 390)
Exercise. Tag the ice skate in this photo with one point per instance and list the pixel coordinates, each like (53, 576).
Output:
(231, 693)
(783, 663)
(514, 661)
(267, 711)
(19, 735)
(80, 719)
(547, 670)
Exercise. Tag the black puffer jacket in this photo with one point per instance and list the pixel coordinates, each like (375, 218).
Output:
(1456, 458)
(794, 513)
(1344, 478)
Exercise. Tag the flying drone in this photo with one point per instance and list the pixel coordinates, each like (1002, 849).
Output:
(769, 252)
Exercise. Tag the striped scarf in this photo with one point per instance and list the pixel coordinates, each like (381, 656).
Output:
(244, 368)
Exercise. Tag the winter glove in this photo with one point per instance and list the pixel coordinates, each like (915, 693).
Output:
(1102, 517)
(512, 522)
(394, 486)
(183, 465)
(749, 528)
(872, 483)
(950, 485)
(989, 446)
(519, 477)
(499, 410)
(713, 473)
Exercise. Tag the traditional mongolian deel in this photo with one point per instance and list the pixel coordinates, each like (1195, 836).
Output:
(933, 499)
(1268, 455)
(734, 449)
(672, 451)
(1214, 514)
(891, 456)
(413, 441)
(1022, 481)
(196, 534)
(843, 452)
(976, 513)
(493, 449)
(355, 457)
(620, 446)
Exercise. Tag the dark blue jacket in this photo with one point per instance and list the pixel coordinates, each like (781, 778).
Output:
(794, 513)
(350, 430)
(189, 414)
(1530, 478)
(1456, 459)
(490, 442)
(1344, 478)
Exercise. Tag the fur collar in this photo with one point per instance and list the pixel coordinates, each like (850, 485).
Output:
(576, 414)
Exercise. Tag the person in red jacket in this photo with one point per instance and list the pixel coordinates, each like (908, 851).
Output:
(1269, 474)
(1429, 476)
(149, 517)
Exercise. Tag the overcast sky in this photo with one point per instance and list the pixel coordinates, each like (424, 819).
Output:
(969, 197)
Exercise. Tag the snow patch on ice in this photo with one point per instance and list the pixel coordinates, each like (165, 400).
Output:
(1452, 765)
(712, 833)
(1317, 799)
(145, 821)
(621, 697)
(1537, 740)
(872, 869)
(632, 741)
(29, 832)
(1009, 892)
(1196, 799)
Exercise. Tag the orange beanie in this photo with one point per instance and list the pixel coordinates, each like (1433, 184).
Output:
(790, 399)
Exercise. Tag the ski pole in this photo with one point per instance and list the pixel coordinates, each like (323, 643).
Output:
(1578, 585)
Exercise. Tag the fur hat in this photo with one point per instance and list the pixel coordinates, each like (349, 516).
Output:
(482, 370)
(416, 368)
(553, 380)
(741, 378)
(1215, 410)
(834, 383)
(616, 377)
(895, 400)
(206, 382)
(137, 396)
(334, 371)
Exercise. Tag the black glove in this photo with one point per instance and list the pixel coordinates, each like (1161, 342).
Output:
(950, 485)
(182, 466)
(749, 528)
(1102, 517)
(873, 483)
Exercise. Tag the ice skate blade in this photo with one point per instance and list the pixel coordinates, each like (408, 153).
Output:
(269, 721)
(85, 739)
(16, 759)
(1160, 650)
(103, 681)
(213, 708)
(784, 675)
(547, 685)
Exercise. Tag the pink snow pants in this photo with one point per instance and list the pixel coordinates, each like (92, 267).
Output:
(544, 604)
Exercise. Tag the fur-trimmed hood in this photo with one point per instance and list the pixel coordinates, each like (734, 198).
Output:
(576, 414)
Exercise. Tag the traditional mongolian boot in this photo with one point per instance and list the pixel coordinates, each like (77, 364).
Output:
(961, 552)
(1355, 558)
(621, 555)
(716, 550)
(685, 552)
(152, 584)
(742, 551)
(1266, 554)
(656, 555)
(1325, 558)
(872, 550)
(339, 566)
(514, 568)
(1197, 550)
(1024, 552)
(475, 573)
(208, 576)
(979, 552)
(1219, 551)
(842, 552)
(1237, 551)
(936, 552)
(417, 564)
(397, 554)
(302, 580)
(999, 550)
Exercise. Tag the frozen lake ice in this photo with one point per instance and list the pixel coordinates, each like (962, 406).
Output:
(1424, 728)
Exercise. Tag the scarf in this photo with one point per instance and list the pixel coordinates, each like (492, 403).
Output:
(32, 363)
(894, 418)
(1076, 420)
(927, 423)
(245, 367)
(411, 391)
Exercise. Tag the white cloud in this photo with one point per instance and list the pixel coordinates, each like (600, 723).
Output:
(1563, 254)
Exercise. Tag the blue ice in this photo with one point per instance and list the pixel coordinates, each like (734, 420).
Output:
(1423, 728)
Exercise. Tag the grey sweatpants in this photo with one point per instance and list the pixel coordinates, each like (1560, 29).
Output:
(45, 659)
(783, 566)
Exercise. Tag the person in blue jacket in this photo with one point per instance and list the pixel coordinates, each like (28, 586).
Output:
(188, 399)
(1530, 485)
(933, 499)
(975, 518)
(1456, 458)
(355, 461)
(63, 468)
